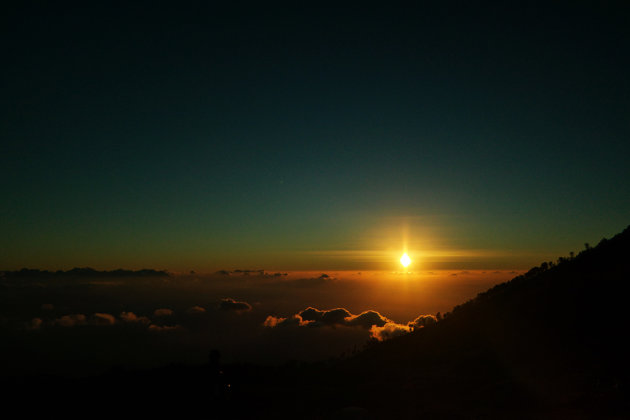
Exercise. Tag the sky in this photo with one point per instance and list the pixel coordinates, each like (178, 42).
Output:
(197, 137)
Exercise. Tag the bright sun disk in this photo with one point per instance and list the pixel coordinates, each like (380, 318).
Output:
(405, 260)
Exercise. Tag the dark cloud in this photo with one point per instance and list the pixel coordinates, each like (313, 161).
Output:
(311, 314)
(47, 307)
(273, 321)
(341, 316)
(321, 280)
(164, 328)
(248, 272)
(295, 320)
(35, 324)
(195, 310)
(229, 304)
(392, 329)
(133, 318)
(163, 312)
(335, 316)
(71, 320)
(80, 273)
(423, 321)
(102, 319)
(367, 319)
(259, 273)
(389, 330)
(380, 327)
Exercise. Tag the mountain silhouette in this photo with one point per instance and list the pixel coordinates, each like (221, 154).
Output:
(548, 344)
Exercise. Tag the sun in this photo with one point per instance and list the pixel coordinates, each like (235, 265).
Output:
(405, 260)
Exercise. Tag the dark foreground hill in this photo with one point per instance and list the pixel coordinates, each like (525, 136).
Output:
(548, 344)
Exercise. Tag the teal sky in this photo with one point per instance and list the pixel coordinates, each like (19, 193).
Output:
(199, 138)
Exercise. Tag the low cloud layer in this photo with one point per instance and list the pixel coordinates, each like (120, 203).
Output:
(261, 273)
(380, 327)
(181, 317)
(100, 319)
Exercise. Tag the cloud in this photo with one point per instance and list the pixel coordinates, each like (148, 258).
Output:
(102, 319)
(164, 328)
(392, 329)
(259, 273)
(229, 304)
(389, 330)
(331, 317)
(133, 318)
(273, 321)
(47, 307)
(71, 320)
(380, 327)
(423, 321)
(311, 314)
(163, 312)
(335, 316)
(367, 319)
(248, 272)
(195, 310)
(295, 320)
(313, 281)
(35, 324)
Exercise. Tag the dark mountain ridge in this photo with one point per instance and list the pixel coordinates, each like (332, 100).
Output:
(85, 272)
(548, 343)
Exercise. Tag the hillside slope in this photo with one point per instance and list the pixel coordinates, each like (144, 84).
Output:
(551, 342)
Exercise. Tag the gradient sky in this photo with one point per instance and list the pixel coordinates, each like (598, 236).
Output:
(192, 137)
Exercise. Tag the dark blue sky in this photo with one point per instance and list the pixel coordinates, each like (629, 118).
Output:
(192, 137)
